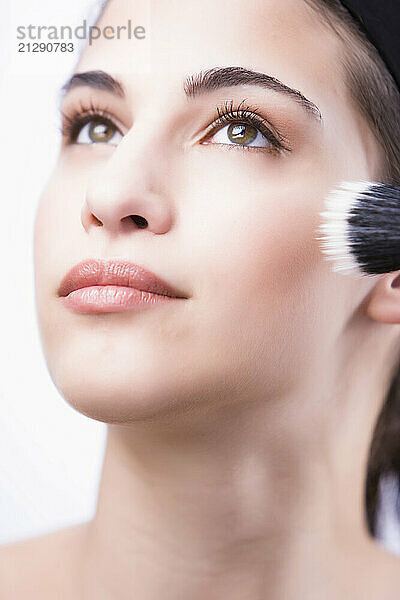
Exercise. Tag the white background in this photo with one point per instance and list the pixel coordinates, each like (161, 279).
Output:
(50, 455)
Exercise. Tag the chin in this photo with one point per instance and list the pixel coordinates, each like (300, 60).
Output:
(112, 393)
(139, 374)
(122, 388)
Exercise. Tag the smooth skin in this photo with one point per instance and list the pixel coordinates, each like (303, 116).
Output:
(239, 419)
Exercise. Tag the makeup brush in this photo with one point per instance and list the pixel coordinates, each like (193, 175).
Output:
(361, 228)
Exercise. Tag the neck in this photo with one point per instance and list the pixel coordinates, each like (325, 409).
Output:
(262, 501)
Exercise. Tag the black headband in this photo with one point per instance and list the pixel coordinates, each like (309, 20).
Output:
(380, 20)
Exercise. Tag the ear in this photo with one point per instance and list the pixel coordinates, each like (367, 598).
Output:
(383, 303)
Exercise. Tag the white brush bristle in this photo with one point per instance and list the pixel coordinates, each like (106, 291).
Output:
(334, 228)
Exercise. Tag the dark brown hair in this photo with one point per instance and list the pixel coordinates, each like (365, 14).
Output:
(377, 96)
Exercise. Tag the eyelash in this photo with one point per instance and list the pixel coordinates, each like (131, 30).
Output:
(228, 114)
(73, 123)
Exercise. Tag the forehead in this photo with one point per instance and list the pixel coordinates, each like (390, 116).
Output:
(283, 38)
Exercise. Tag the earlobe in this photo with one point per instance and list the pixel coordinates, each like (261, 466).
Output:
(384, 301)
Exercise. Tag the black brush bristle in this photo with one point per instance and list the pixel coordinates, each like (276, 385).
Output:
(374, 229)
(362, 228)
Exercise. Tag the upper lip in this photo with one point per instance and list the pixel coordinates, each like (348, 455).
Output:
(96, 271)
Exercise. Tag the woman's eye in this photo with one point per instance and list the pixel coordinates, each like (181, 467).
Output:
(95, 132)
(243, 134)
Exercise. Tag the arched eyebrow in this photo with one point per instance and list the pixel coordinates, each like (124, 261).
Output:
(212, 79)
(200, 83)
(99, 80)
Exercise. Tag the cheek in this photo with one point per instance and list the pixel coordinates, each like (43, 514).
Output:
(59, 206)
(269, 270)
(263, 286)
(47, 231)
(57, 244)
(58, 229)
(255, 226)
(48, 234)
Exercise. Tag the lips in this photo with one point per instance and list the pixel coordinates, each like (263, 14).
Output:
(100, 272)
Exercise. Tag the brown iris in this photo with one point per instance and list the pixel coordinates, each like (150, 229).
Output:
(101, 132)
(241, 133)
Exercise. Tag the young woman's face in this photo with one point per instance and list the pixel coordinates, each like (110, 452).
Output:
(232, 207)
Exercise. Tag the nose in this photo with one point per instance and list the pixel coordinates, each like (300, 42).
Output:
(128, 191)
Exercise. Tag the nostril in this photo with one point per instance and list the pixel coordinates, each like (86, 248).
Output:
(139, 221)
(396, 282)
(95, 220)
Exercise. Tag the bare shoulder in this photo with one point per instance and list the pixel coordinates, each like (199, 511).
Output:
(38, 567)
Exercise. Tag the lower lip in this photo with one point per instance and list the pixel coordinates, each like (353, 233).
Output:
(112, 298)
